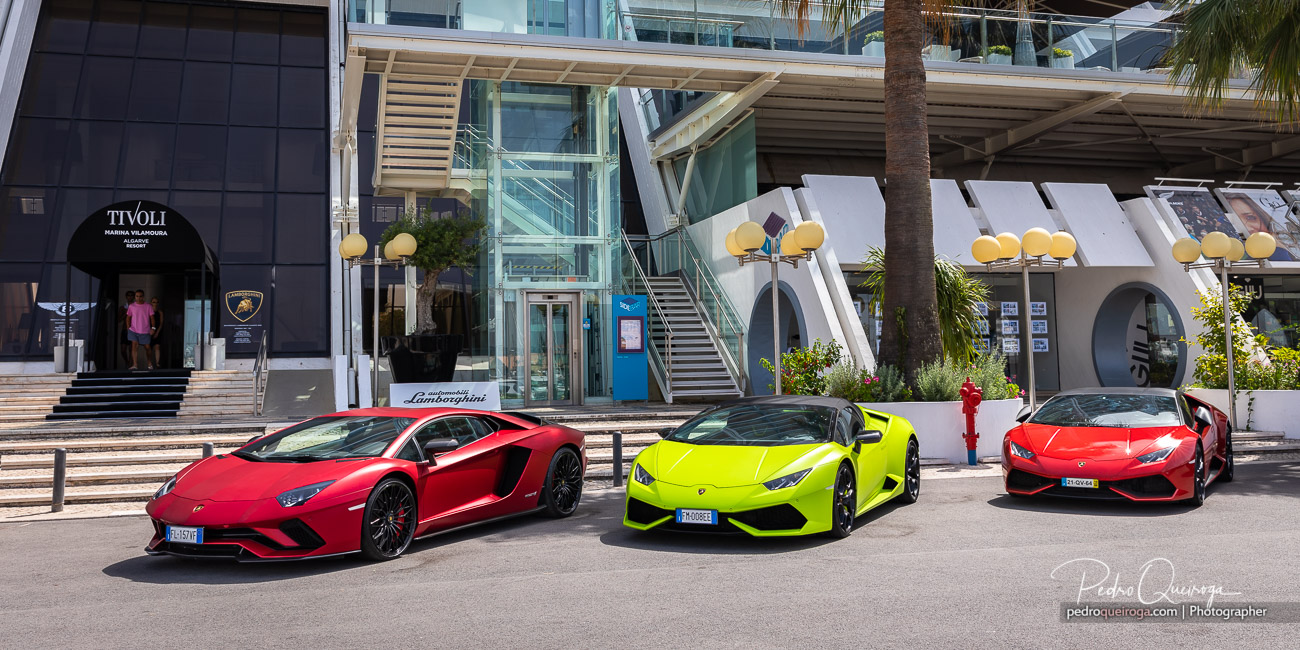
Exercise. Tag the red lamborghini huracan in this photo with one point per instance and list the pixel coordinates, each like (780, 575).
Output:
(1142, 444)
(368, 481)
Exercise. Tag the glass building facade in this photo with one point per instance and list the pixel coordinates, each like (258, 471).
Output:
(218, 111)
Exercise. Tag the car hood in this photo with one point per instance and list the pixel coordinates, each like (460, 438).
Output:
(230, 478)
(680, 463)
(1094, 443)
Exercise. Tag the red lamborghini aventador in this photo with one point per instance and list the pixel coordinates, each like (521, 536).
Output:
(1142, 444)
(368, 481)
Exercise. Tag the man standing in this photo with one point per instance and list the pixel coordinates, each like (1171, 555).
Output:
(142, 323)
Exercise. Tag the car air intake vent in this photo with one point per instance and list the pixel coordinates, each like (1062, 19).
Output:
(644, 513)
(782, 517)
(890, 483)
(301, 534)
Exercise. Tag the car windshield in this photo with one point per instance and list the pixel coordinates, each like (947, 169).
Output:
(1127, 411)
(328, 438)
(758, 425)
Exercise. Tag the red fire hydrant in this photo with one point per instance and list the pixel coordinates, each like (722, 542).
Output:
(971, 395)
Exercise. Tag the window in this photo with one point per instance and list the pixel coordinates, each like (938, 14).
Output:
(205, 93)
(304, 215)
(163, 33)
(246, 228)
(257, 37)
(301, 313)
(409, 452)
(147, 161)
(200, 157)
(93, 152)
(844, 427)
(51, 85)
(211, 33)
(114, 29)
(303, 160)
(64, 28)
(460, 429)
(253, 93)
(39, 144)
(250, 160)
(302, 97)
(105, 85)
(155, 91)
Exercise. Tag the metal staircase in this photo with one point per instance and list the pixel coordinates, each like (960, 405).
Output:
(415, 138)
(696, 365)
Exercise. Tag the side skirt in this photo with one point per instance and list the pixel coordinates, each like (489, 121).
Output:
(480, 523)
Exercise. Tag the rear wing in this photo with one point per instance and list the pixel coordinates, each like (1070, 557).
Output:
(526, 417)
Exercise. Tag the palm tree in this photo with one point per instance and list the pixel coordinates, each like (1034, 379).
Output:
(1221, 39)
(910, 338)
(959, 295)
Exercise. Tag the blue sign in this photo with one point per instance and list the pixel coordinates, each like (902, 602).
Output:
(631, 376)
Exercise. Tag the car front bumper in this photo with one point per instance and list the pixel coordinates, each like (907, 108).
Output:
(1124, 479)
(752, 509)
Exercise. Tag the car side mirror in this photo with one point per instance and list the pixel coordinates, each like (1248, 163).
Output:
(666, 431)
(440, 446)
(867, 438)
(1024, 413)
(253, 439)
(1202, 417)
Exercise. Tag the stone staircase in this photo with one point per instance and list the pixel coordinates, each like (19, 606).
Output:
(29, 398)
(218, 393)
(698, 371)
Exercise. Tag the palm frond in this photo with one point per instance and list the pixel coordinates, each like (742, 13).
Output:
(958, 292)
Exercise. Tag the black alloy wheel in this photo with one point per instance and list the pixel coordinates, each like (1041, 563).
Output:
(389, 522)
(844, 504)
(1198, 481)
(563, 488)
(911, 474)
(1229, 466)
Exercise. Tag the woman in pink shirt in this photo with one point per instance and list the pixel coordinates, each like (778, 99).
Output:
(141, 325)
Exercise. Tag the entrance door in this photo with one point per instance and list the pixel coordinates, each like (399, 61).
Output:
(554, 349)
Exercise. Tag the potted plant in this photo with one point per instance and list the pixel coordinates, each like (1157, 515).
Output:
(874, 45)
(1062, 58)
(998, 55)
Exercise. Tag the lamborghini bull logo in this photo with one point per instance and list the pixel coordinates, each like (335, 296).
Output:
(243, 305)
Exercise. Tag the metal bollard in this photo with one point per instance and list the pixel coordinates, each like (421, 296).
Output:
(60, 479)
(618, 459)
(207, 449)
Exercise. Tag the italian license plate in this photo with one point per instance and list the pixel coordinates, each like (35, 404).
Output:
(1080, 482)
(184, 535)
(687, 516)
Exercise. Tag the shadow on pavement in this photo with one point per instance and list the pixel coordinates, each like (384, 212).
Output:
(166, 570)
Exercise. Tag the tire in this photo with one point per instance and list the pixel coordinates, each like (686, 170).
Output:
(1198, 481)
(563, 489)
(389, 520)
(1229, 466)
(911, 473)
(843, 504)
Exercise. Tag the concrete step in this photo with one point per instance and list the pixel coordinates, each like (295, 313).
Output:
(118, 477)
(122, 495)
(133, 429)
(115, 444)
(34, 461)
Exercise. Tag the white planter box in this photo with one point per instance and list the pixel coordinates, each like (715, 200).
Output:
(1274, 410)
(874, 48)
(939, 425)
(999, 59)
(1064, 62)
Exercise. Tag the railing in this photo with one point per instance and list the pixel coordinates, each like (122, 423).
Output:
(472, 148)
(634, 281)
(677, 254)
(259, 377)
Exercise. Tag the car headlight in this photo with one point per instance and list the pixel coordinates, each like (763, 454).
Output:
(1156, 456)
(789, 480)
(1017, 450)
(641, 476)
(166, 487)
(299, 496)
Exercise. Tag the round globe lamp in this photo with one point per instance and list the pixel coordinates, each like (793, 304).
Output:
(404, 244)
(1010, 245)
(733, 248)
(750, 236)
(1261, 246)
(1063, 245)
(1236, 249)
(389, 253)
(985, 249)
(353, 245)
(1216, 245)
(808, 235)
(1186, 250)
(790, 244)
(1036, 242)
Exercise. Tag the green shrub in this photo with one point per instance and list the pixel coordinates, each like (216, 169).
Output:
(989, 372)
(874, 37)
(940, 381)
(885, 385)
(1000, 49)
(1058, 53)
(803, 371)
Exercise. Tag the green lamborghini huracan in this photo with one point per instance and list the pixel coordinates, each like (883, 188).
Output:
(771, 466)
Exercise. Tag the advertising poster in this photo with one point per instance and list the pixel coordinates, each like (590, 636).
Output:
(982, 344)
(484, 395)
(1010, 346)
(1040, 345)
(1256, 210)
(1038, 309)
(242, 328)
(1010, 309)
(1038, 326)
(630, 339)
(983, 327)
(1010, 326)
(982, 308)
(1194, 208)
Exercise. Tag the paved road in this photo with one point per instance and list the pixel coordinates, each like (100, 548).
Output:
(965, 567)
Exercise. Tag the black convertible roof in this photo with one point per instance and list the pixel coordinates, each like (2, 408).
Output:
(791, 400)
(1102, 390)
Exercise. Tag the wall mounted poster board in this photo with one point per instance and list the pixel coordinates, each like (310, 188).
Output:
(1255, 210)
(1037, 326)
(1010, 308)
(1010, 326)
(1195, 210)
(1010, 346)
(631, 338)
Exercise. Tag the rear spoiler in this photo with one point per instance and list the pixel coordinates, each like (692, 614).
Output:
(526, 417)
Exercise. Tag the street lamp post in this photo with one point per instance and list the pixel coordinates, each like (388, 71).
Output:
(395, 254)
(1006, 251)
(745, 242)
(1223, 253)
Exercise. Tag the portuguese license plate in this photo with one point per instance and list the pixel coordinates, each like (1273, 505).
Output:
(1080, 482)
(687, 516)
(184, 535)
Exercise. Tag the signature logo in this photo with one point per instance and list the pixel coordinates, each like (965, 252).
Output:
(629, 304)
(701, 491)
(1156, 582)
(1082, 463)
(243, 305)
(198, 507)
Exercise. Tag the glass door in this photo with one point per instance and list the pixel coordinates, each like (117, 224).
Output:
(554, 349)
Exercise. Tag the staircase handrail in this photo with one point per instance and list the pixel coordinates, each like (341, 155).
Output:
(653, 303)
(259, 376)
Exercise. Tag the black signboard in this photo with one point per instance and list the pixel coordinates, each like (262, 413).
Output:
(136, 235)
